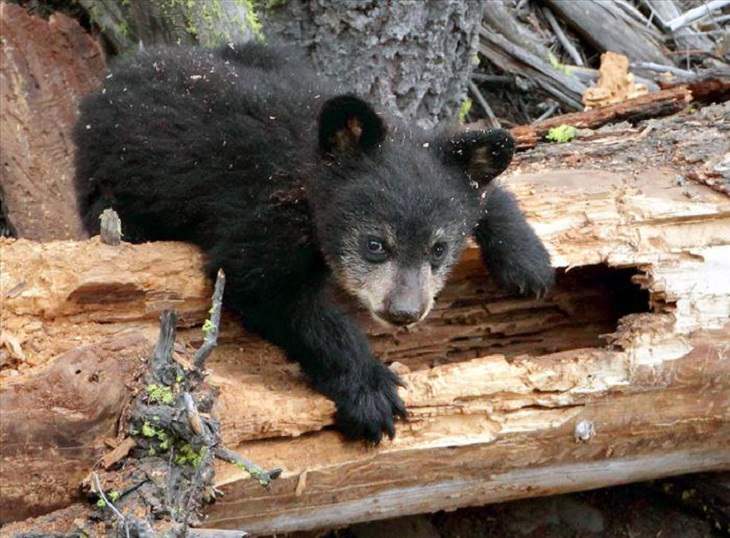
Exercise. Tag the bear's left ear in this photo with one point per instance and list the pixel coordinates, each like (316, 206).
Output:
(349, 125)
(483, 155)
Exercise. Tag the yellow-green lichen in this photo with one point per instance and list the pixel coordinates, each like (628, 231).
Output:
(160, 394)
(207, 327)
(562, 133)
(186, 455)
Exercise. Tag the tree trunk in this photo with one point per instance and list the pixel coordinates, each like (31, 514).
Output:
(622, 373)
(413, 56)
(209, 23)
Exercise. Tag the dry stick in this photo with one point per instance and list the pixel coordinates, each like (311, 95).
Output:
(196, 423)
(696, 14)
(549, 112)
(659, 68)
(564, 41)
(491, 118)
(100, 491)
(215, 533)
(110, 227)
(631, 10)
(500, 79)
(264, 477)
(211, 326)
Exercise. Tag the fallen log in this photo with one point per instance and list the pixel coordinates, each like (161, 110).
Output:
(651, 105)
(621, 374)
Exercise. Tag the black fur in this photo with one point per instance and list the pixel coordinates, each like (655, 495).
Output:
(280, 178)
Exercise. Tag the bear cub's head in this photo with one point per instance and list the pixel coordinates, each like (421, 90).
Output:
(393, 207)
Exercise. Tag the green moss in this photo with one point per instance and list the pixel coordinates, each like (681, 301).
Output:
(101, 504)
(113, 496)
(160, 394)
(464, 109)
(562, 133)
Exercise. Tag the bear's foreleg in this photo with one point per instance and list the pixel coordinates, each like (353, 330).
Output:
(510, 249)
(335, 355)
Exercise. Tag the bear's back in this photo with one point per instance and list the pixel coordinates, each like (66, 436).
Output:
(176, 130)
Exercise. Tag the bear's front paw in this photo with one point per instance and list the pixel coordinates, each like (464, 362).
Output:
(370, 405)
(535, 279)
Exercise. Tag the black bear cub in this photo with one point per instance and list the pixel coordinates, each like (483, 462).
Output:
(292, 186)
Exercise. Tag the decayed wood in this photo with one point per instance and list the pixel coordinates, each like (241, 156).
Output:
(45, 67)
(55, 422)
(497, 385)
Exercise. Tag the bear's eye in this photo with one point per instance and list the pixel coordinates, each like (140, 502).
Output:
(438, 251)
(375, 250)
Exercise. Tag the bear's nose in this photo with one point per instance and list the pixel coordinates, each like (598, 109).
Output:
(403, 317)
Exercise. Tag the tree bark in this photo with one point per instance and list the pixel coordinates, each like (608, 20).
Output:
(209, 23)
(621, 374)
(413, 56)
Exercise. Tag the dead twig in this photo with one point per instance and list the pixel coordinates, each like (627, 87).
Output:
(549, 112)
(695, 14)
(110, 227)
(264, 477)
(491, 118)
(211, 326)
(100, 492)
(660, 68)
(121, 451)
(564, 41)
(497, 79)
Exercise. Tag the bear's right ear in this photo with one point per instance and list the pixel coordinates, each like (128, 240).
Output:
(482, 154)
(348, 125)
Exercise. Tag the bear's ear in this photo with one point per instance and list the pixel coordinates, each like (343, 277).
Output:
(349, 125)
(483, 154)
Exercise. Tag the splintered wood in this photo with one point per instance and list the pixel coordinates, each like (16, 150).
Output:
(621, 374)
(615, 83)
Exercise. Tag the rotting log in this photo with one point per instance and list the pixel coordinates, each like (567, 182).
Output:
(651, 105)
(46, 66)
(621, 374)
(55, 423)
